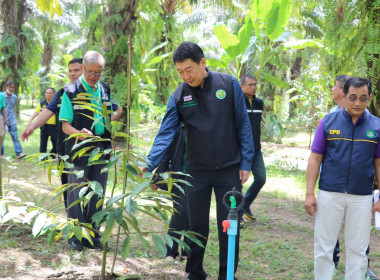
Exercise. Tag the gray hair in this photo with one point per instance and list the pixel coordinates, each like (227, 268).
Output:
(93, 57)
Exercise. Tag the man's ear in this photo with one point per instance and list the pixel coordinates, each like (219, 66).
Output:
(370, 96)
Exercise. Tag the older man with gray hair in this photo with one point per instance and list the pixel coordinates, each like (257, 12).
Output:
(77, 118)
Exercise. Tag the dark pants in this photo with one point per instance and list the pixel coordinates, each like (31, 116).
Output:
(47, 131)
(337, 250)
(179, 220)
(64, 181)
(84, 214)
(198, 203)
(259, 175)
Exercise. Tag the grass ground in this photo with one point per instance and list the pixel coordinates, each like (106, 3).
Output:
(279, 245)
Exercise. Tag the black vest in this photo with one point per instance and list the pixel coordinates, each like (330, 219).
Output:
(255, 112)
(61, 135)
(80, 120)
(209, 117)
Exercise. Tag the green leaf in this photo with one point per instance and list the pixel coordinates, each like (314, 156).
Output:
(131, 206)
(66, 232)
(160, 244)
(145, 242)
(83, 191)
(227, 40)
(139, 188)
(79, 174)
(87, 235)
(115, 199)
(87, 198)
(110, 224)
(125, 248)
(77, 232)
(131, 169)
(301, 44)
(97, 188)
(168, 240)
(280, 16)
(38, 224)
(118, 212)
(93, 154)
(98, 217)
(113, 160)
(51, 236)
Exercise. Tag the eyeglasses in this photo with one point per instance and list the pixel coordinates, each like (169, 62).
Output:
(361, 98)
(95, 74)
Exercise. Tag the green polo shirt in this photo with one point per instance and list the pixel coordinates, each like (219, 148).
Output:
(2, 102)
(67, 111)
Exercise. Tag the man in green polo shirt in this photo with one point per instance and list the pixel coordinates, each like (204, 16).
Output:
(3, 119)
(81, 113)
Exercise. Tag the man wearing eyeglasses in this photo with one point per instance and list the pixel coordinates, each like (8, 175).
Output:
(346, 143)
(81, 113)
(337, 93)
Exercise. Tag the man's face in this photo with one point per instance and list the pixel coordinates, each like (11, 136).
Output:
(250, 86)
(75, 71)
(49, 94)
(92, 73)
(192, 73)
(10, 88)
(337, 92)
(357, 100)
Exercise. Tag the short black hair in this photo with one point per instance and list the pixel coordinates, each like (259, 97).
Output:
(50, 88)
(76, 60)
(245, 77)
(342, 79)
(357, 82)
(9, 83)
(188, 50)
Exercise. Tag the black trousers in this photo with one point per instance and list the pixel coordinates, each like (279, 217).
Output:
(198, 202)
(179, 220)
(47, 131)
(78, 211)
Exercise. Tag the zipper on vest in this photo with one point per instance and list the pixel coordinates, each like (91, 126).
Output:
(349, 163)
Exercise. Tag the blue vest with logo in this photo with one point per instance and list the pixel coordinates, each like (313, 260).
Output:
(209, 119)
(348, 164)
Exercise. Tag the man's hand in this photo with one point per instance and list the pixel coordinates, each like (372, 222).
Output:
(144, 170)
(310, 204)
(85, 131)
(376, 207)
(27, 132)
(154, 187)
(243, 176)
(5, 122)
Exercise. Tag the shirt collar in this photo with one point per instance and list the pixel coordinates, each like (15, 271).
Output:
(86, 85)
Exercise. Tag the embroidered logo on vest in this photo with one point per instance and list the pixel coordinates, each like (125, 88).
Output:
(370, 134)
(220, 94)
(334, 131)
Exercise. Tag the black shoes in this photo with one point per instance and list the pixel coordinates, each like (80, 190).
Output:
(78, 246)
(248, 216)
(75, 245)
(97, 244)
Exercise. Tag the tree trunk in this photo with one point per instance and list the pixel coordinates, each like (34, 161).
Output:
(13, 41)
(47, 55)
(373, 58)
(295, 72)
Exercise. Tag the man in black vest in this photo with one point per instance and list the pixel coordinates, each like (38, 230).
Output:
(49, 129)
(255, 108)
(79, 119)
(219, 146)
